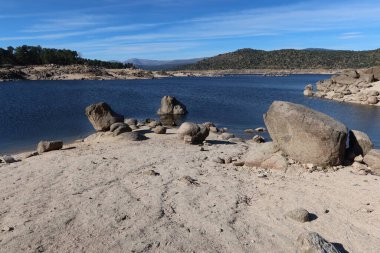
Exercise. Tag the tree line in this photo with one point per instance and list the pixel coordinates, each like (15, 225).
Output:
(290, 59)
(37, 55)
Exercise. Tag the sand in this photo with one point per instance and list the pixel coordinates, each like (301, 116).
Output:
(107, 194)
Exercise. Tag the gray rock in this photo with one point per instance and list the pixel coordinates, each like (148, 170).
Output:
(359, 143)
(309, 87)
(133, 127)
(372, 159)
(121, 129)
(154, 123)
(9, 159)
(46, 146)
(306, 135)
(308, 93)
(249, 131)
(170, 105)
(116, 125)
(218, 160)
(260, 129)
(372, 100)
(159, 130)
(131, 136)
(299, 214)
(226, 136)
(266, 156)
(311, 242)
(130, 121)
(213, 129)
(102, 117)
(258, 139)
(209, 124)
(192, 133)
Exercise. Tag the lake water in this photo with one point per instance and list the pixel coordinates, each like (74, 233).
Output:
(36, 110)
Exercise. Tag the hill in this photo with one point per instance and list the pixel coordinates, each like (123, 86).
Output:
(162, 65)
(290, 59)
(36, 55)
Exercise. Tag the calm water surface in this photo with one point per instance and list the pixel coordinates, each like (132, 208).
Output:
(36, 110)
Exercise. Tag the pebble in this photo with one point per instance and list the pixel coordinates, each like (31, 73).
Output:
(9, 159)
(218, 160)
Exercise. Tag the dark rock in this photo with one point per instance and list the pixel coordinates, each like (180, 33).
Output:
(102, 117)
(9, 159)
(46, 146)
(114, 126)
(359, 143)
(159, 130)
(311, 242)
(121, 129)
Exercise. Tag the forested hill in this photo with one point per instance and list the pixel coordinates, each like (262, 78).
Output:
(290, 59)
(36, 55)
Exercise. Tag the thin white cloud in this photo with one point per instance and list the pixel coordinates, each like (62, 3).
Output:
(350, 35)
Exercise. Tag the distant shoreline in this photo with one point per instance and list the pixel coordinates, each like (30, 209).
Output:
(84, 72)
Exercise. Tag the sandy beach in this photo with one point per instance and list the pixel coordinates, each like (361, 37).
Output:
(108, 194)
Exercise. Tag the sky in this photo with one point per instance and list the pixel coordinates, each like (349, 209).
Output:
(182, 29)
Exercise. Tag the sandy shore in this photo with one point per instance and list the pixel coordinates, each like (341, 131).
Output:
(107, 194)
(82, 72)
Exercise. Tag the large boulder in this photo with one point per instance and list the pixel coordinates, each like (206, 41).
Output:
(46, 146)
(372, 159)
(102, 117)
(359, 143)
(192, 133)
(306, 135)
(170, 105)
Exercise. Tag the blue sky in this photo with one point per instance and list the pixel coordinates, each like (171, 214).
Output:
(175, 29)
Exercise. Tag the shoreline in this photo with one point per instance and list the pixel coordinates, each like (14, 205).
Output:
(83, 72)
(107, 191)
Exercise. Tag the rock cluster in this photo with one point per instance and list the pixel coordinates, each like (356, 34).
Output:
(354, 86)
(102, 117)
(311, 140)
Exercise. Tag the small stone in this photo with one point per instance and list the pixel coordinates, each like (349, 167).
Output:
(226, 136)
(236, 140)
(260, 129)
(121, 129)
(359, 159)
(46, 146)
(9, 159)
(130, 122)
(189, 180)
(114, 126)
(299, 214)
(152, 173)
(7, 228)
(258, 139)
(218, 160)
(228, 160)
(159, 130)
(239, 164)
(249, 131)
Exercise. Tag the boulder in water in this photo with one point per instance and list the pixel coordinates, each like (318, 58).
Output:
(170, 105)
(102, 117)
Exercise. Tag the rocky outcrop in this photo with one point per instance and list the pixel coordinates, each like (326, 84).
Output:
(311, 242)
(308, 91)
(102, 117)
(192, 133)
(46, 146)
(306, 135)
(170, 105)
(354, 86)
